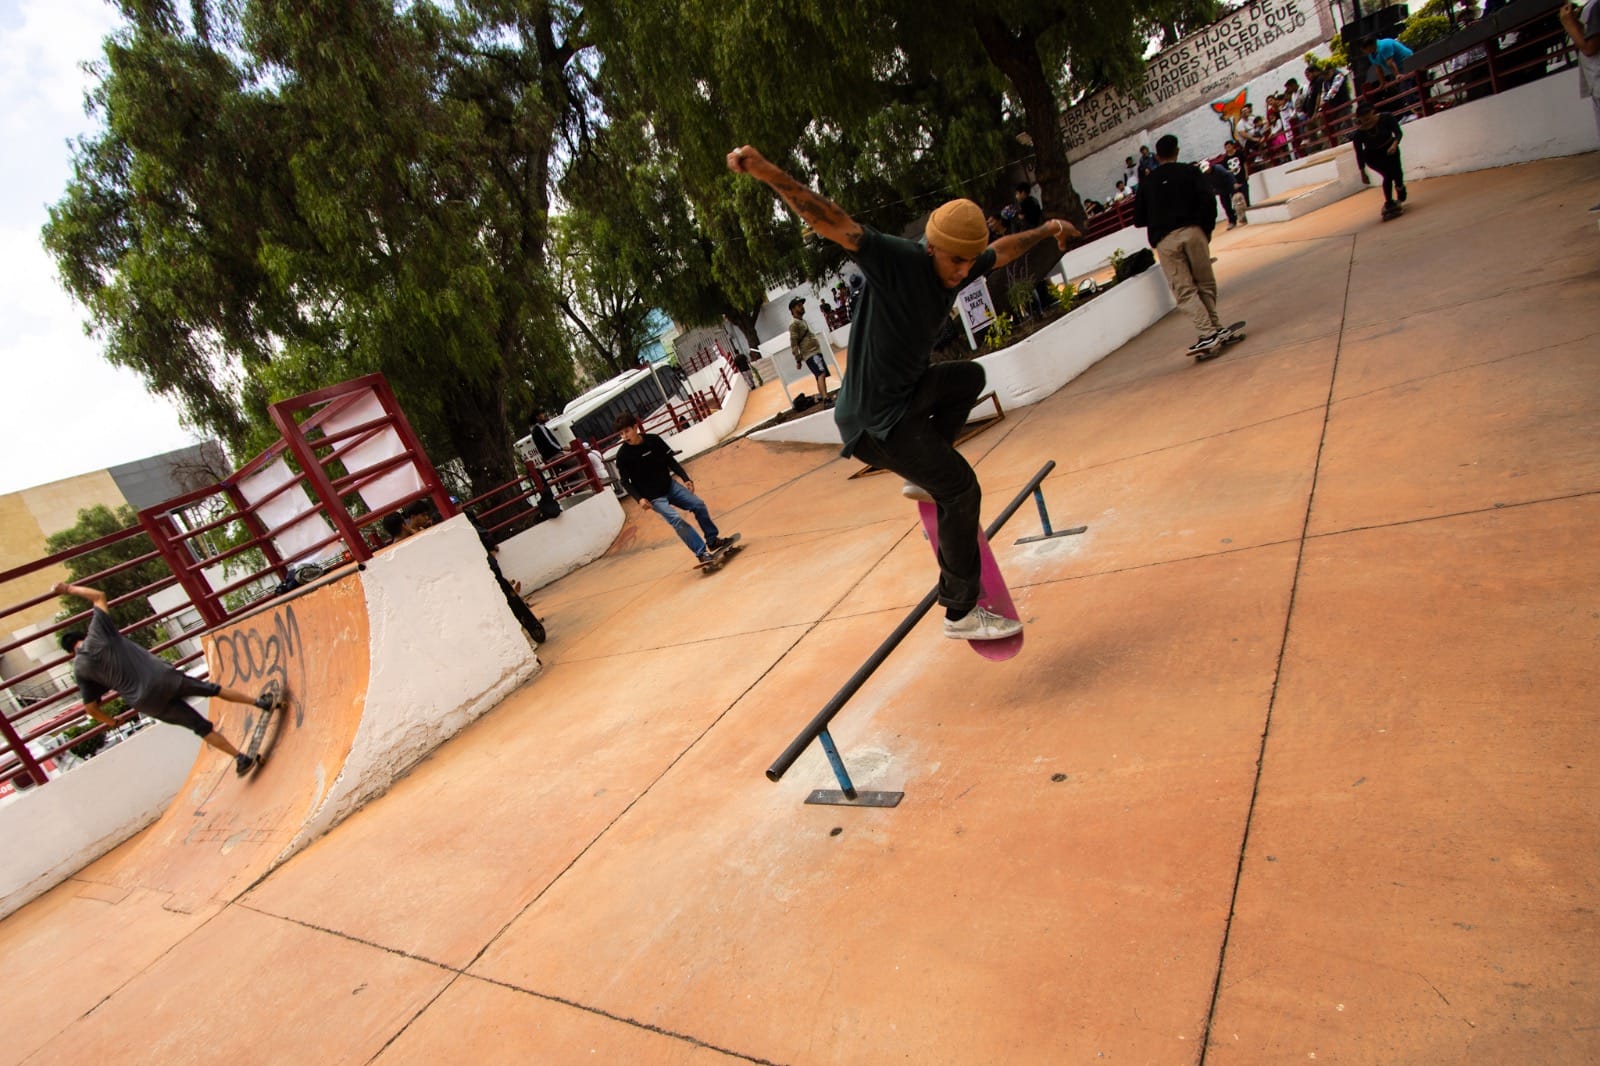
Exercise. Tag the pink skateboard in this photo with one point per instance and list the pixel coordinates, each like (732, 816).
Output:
(996, 597)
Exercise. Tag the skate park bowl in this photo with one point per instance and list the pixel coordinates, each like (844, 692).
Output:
(358, 713)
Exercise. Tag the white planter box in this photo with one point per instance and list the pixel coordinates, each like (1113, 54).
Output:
(1041, 363)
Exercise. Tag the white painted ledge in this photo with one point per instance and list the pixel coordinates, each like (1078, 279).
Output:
(1040, 364)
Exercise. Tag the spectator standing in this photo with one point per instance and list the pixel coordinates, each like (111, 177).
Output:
(1029, 214)
(1336, 97)
(544, 440)
(1178, 209)
(741, 363)
(1387, 56)
(1277, 132)
(1147, 162)
(1295, 115)
(805, 346)
(1222, 184)
(1238, 169)
(1316, 84)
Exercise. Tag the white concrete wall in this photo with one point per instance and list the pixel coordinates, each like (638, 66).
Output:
(1040, 364)
(430, 600)
(709, 432)
(557, 546)
(53, 831)
(1200, 133)
(1088, 258)
(1541, 120)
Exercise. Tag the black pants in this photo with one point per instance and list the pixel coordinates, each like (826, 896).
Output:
(920, 449)
(1388, 166)
(1227, 205)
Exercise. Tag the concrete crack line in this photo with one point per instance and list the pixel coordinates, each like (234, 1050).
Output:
(456, 973)
(1465, 366)
(1277, 676)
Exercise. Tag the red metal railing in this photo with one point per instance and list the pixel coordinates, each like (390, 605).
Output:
(506, 509)
(347, 457)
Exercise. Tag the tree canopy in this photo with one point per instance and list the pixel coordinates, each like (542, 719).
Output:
(289, 193)
(100, 521)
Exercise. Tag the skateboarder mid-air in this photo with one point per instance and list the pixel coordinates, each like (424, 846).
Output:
(646, 466)
(895, 410)
(104, 659)
(1377, 142)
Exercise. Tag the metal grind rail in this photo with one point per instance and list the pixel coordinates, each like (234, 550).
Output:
(817, 728)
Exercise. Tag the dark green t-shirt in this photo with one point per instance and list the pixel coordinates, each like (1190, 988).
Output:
(901, 311)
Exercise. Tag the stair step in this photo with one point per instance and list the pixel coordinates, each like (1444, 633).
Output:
(1292, 194)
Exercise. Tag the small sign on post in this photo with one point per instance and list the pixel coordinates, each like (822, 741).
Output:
(977, 309)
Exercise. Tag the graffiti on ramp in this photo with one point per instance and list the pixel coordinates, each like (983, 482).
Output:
(223, 832)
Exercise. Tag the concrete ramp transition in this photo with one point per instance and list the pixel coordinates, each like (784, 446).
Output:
(358, 716)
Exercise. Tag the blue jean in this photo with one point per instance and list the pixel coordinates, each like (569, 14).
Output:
(678, 496)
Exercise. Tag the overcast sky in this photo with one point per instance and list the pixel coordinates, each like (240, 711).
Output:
(63, 409)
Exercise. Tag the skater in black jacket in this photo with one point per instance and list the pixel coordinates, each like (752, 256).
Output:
(1178, 208)
(1377, 142)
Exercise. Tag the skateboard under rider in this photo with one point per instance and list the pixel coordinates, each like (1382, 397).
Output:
(1235, 334)
(261, 743)
(720, 555)
(994, 597)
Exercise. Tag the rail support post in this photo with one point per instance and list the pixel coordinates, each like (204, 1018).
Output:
(1044, 522)
(817, 729)
(846, 795)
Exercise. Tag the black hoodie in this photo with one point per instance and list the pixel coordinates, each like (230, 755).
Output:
(1172, 196)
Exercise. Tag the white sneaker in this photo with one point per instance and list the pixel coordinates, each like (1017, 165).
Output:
(916, 492)
(981, 624)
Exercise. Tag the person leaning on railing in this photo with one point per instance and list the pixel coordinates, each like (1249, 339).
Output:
(105, 660)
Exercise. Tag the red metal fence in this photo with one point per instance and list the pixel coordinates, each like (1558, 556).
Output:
(582, 468)
(346, 457)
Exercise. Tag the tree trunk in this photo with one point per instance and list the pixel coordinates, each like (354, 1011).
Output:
(475, 417)
(746, 321)
(1015, 54)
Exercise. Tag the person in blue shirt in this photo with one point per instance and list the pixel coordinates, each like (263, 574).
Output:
(1387, 56)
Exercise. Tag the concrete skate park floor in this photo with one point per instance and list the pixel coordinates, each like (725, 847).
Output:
(1298, 762)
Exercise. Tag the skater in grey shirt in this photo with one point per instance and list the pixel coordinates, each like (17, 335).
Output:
(104, 660)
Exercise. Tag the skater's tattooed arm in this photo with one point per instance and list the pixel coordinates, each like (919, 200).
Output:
(1014, 246)
(821, 213)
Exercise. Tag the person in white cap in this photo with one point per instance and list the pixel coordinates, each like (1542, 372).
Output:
(894, 409)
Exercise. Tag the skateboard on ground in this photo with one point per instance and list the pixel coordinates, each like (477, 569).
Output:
(260, 743)
(995, 596)
(719, 557)
(1235, 335)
